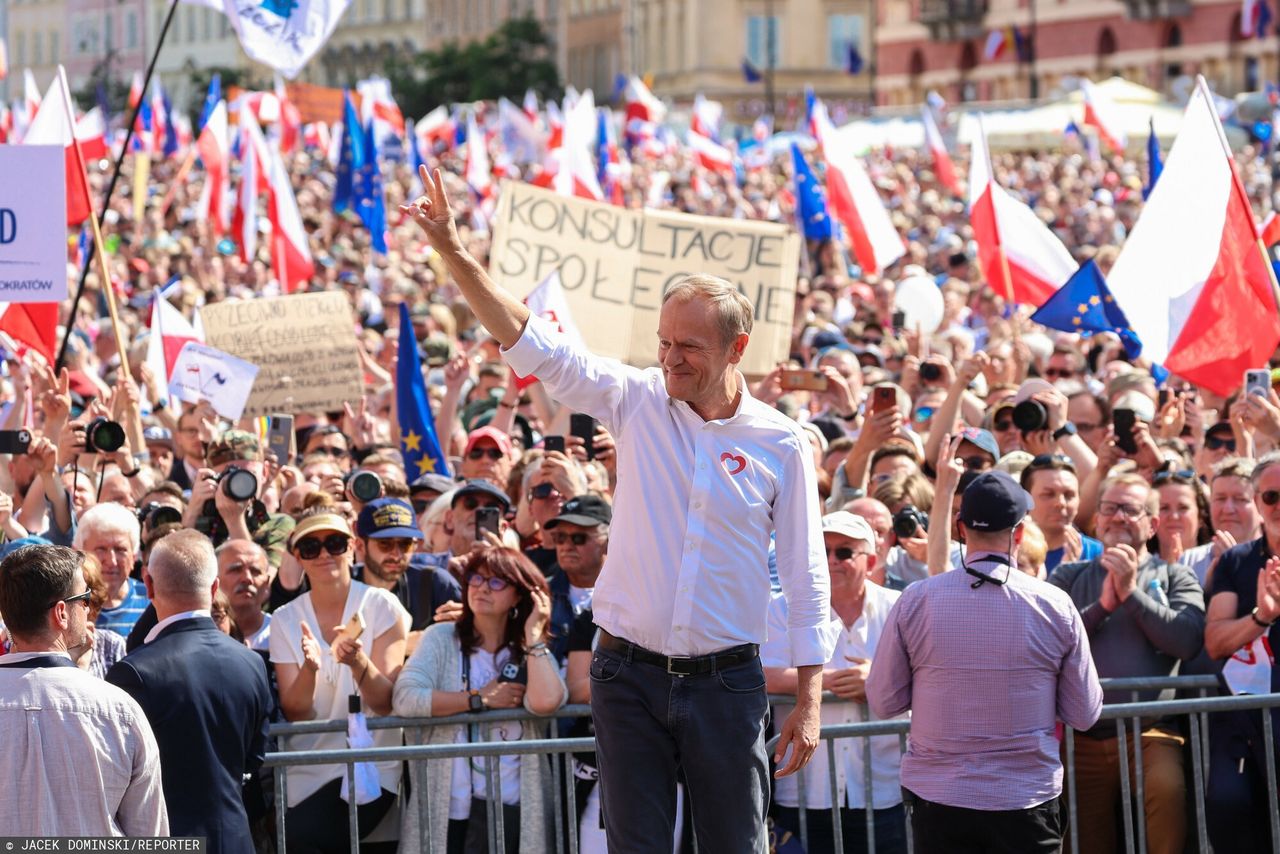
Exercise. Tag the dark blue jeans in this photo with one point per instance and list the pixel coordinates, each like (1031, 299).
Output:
(890, 828)
(649, 724)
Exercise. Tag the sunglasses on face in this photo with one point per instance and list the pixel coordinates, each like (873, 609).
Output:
(80, 597)
(494, 454)
(1059, 373)
(924, 413)
(420, 507)
(495, 583)
(976, 463)
(543, 491)
(1270, 497)
(1213, 443)
(470, 502)
(338, 453)
(843, 553)
(309, 548)
(1003, 425)
(578, 539)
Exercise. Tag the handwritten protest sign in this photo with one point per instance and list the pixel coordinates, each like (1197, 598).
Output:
(616, 263)
(205, 373)
(304, 346)
(33, 223)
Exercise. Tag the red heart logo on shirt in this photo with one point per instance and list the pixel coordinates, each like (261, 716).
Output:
(733, 463)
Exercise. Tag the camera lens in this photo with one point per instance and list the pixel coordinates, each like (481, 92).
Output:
(365, 486)
(103, 435)
(239, 484)
(929, 372)
(1030, 415)
(908, 521)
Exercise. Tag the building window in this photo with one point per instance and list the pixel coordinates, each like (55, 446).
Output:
(191, 13)
(206, 24)
(762, 40)
(131, 29)
(20, 48)
(37, 48)
(54, 47)
(843, 31)
(108, 32)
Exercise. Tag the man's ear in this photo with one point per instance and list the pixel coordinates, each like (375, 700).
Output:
(738, 348)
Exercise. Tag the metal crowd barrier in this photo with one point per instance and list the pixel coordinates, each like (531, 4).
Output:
(559, 751)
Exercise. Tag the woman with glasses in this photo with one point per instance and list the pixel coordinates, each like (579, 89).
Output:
(494, 657)
(338, 639)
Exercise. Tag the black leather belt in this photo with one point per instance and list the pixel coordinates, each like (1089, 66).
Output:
(698, 665)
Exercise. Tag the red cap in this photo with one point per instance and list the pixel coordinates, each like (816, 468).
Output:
(493, 434)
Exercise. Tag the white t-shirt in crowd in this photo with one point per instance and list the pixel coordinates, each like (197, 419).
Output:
(469, 778)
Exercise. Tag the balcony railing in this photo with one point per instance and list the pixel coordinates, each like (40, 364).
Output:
(1154, 10)
(950, 20)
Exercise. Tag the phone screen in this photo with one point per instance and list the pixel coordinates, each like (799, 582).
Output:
(280, 438)
(584, 427)
(487, 521)
(553, 443)
(1122, 421)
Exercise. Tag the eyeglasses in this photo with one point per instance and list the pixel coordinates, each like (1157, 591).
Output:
(543, 491)
(843, 553)
(579, 539)
(471, 502)
(1059, 373)
(1213, 443)
(309, 547)
(1128, 511)
(924, 413)
(977, 462)
(1002, 425)
(495, 583)
(84, 597)
(494, 454)
(1182, 476)
(1270, 497)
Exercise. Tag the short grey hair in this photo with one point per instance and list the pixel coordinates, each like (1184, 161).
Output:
(531, 471)
(183, 567)
(109, 518)
(1241, 467)
(1264, 463)
(734, 312)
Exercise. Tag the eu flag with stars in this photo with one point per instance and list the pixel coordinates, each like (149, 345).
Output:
(1084, 304)
(811, 204)
(351, 157)
(371, 203)
(418, 442)
(1154, 164)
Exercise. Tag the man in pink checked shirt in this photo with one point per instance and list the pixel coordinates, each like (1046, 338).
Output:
(987, 667)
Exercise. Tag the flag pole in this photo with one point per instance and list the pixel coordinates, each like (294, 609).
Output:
(178, 179)
(107, 287)
(111, 185)
(1238, 188)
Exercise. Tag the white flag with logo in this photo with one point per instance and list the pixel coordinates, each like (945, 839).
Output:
(283, 34)
(206, 373)
(547, 301)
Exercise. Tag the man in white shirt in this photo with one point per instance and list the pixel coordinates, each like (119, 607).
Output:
(705, 474)
(77, 755)
(859, 611)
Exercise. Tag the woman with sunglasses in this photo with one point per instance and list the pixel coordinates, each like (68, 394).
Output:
(494, 657)
(321, 659)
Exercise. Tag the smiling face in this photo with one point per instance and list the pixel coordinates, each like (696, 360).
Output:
(1056, 494)
(697, 363)
(1178, 513)
(1232, 508)
(1125, 518)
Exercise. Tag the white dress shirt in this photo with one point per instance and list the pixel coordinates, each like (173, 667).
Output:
(856, 641)
(173, 618)
(687, 570)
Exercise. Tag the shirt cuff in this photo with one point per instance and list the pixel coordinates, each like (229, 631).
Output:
(532, 347)
(812, 645)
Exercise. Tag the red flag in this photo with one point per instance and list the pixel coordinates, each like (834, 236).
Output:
(290, 255)
(34, 324)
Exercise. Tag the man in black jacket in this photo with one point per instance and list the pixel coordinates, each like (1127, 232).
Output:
(206, 697)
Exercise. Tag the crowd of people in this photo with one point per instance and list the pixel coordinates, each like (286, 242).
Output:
(1154, 509)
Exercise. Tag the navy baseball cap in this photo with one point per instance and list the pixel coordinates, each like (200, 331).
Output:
(993, 502)
(383, 518)
(479, 486)
(432, 482)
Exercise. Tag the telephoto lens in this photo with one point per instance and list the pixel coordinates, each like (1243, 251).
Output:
(365, 486)
(238, 484)
(908, 521)
(1030, 416)
(103, 436)
(930, 373)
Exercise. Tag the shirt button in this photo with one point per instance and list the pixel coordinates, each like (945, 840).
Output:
(679, 628)
(697, 505)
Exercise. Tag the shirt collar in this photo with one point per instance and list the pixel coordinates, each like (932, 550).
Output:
(15, 657)
(168, 621)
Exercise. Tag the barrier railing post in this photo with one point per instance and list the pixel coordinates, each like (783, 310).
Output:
(570, 781)
(837, 830)
(282, 800)
(1269, 748)
(802, 810)
(555, 761)
(353, 822)
(911, 842)
(869, 795)
(1139, 776)
(425, 841)
(1126, 796)
(1073, 808)
(1197, 777)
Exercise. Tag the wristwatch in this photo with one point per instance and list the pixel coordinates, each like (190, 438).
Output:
(1068, 429)
(1259, 620)
(475, 702)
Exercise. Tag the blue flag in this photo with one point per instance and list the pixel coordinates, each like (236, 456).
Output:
(750, 73)
(1154, 164)
(371, 203)
(211, 99)
(853, 64)
(418, 442)
(351, 159)
(811, 204)
(170, 127)
(1084, 304)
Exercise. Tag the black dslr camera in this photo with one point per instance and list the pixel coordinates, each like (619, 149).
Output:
(908, 521)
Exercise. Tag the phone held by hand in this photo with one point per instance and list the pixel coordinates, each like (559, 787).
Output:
(883, 398)
(354, 628)
(14, 441)
(487, 519)
(803, 380)
(553, 443)
(1123, 421)
(584, 427)
(1257, 382)
(280, 438)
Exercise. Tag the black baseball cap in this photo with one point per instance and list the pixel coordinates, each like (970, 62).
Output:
(479, 486)
(993, 502)
(584, 510)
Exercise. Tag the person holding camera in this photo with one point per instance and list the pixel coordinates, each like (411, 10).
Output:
(494, 657)
(225, 502)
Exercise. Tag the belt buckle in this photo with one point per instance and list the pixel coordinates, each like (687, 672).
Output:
(671, 663)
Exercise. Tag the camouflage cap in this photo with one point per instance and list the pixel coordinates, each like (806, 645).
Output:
(231, 446)
(437, 350)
